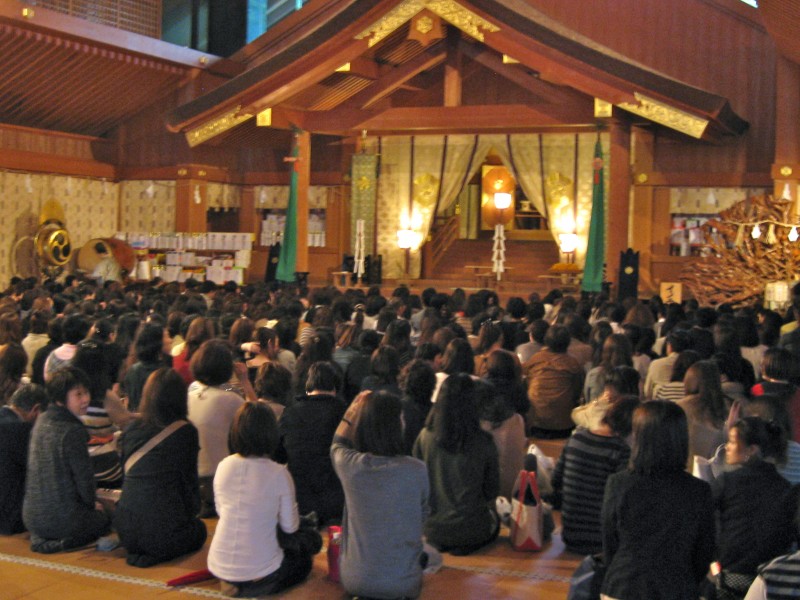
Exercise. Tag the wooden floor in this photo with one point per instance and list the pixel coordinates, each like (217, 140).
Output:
(495, 572)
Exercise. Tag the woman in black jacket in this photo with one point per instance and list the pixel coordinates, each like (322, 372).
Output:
(658, 520)
(156, 515)
(307, 429)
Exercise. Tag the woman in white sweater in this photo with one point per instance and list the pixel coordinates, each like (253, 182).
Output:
(255, 499)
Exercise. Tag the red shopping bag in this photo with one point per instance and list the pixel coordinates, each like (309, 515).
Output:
(527, 514)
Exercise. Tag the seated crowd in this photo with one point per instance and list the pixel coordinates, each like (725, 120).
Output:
(130, 414)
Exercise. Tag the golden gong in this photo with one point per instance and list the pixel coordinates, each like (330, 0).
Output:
(52, 241)
(53, 244)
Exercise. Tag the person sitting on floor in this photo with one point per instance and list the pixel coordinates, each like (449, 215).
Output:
(156, 514)
(463, 468)
(589, 457)
(307, 428)
(755, 505)
(555, 381)
(253, 551)
(620, 382)
(386, 499)
(16, 422)
(212, 404)
(59, 507)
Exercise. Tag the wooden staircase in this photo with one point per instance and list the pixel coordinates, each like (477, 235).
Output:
(525, 260)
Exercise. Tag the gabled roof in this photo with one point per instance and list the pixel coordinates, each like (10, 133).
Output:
(398, 85)
(67, 74)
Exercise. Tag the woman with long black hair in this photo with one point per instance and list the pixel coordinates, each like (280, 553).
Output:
(463, 468)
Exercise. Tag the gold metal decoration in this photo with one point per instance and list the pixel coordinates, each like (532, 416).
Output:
(52, 241)
(786, 171)
(666, 115)
(642, 178)
(449, 10)
(364, 183)
(426, 189)
(424, 25)
(507, 60)
(602, 109)
(264, 118)
(214, 127)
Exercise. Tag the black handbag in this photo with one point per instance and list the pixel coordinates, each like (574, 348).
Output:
(587, 579)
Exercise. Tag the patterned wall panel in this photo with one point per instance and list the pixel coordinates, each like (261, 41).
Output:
(147, 206)
(90, 211)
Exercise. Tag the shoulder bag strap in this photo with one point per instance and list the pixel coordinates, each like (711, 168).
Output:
(153, 442)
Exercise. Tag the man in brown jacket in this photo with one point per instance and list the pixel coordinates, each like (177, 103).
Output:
(555, 380)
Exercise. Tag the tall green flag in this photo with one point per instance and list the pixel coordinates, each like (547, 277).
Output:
(287, 260)
(596, 248)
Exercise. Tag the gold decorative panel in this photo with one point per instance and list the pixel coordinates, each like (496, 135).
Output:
(666, 115)
(214, 127)
(449, 10)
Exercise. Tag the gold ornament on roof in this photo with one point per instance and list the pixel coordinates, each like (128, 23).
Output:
(449, 10)
(425, 25)
(666, 115)
(214, 127)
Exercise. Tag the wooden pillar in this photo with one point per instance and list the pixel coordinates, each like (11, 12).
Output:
(303, 182)
(190, 215)
(248, 223)
(642, 212)
(619, 188)
(452, 70)
(786, 169)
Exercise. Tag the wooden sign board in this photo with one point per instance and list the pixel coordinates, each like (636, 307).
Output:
(671, 292)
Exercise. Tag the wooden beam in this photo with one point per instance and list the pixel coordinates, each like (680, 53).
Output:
(547, 92)
(452, 69)
(398, 76)
(366, 68)
(35, 162)
(475, 118)
(661, 179)
(559, 69)
(642, 223)
(303, 183)
(619, 188)
(306, 71)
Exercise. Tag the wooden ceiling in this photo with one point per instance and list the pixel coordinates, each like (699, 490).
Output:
(782, 20)
(66, 74)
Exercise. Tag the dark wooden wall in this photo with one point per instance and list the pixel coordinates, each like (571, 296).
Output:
(717, 45)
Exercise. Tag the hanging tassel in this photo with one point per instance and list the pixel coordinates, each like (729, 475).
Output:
(771, 239)
(739, 237)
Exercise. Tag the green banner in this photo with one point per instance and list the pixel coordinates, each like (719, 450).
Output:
(363, 196)
(287, 261)
(596, 247)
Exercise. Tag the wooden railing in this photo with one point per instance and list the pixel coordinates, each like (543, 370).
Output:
(442, 237)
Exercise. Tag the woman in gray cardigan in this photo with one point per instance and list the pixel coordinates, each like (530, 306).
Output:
(59, 507)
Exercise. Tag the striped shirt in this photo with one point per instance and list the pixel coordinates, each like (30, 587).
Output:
(781, 578)
(672, 391)
(579, 481)
(791, 468)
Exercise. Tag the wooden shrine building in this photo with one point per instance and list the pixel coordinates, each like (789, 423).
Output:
(694, 102)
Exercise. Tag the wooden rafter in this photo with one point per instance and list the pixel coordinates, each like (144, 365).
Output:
(546, 92)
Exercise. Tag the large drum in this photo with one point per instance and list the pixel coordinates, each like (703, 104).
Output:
(88, 257)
